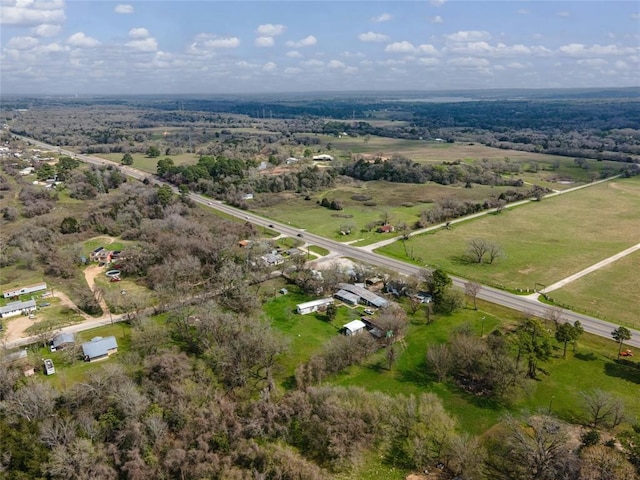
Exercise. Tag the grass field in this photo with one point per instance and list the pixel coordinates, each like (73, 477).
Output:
(402, 202)
(611, 293)
(543, 241)
(149, 164)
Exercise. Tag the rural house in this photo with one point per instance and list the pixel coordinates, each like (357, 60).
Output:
(314, 306)
(385, 229)
(365, 297)
(346, 297)
(99, 348)
(16, 292)
(12, 309)
(62, 341)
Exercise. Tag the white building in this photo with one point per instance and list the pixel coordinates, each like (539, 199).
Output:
(314, 306)
(12, 309)
(353, 327)
(323, 158)
(24, 290)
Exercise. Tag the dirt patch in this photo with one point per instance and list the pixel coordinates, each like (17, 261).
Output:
(17, 326)
(90, 274)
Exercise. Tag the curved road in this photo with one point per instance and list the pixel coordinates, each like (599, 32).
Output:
(516, 302)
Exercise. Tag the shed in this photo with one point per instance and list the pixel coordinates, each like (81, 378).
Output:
(313, 306)
(365, 296)
(99, 348)
(353, 327)
(347, 297)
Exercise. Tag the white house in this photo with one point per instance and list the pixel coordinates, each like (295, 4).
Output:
(323, 158)
(313, 306)
(353, 327)
(24, 290)
(12, 309)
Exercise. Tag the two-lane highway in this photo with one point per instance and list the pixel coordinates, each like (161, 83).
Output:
(493, 295)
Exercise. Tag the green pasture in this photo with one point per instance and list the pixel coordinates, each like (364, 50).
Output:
(402, 202)
(543, 241)
(611, 292)
(149, 164)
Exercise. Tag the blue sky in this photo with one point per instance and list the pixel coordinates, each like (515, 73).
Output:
(104, 47)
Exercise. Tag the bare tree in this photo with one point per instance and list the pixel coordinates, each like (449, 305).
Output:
(495, 251)
(602, 408)
(477, 248)
(440, 360)
(472, 289)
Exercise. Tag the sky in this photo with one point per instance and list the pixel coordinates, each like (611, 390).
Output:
(58, 47)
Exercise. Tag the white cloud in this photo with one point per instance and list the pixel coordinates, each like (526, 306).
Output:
(46, 30)
(226, 42)
(270, 30)
(408, 47)
(148, 44)
(437, 19)
(31, 12)
(305, 42)
(400, 47)
(81, 40)
(124, 9)
(593, 62)
(562, 14)
(428, 62)
(313, 63)
(373, 37)
(264, 42)
(293, 54)
(537, 36)
(22, 43)
(336, 64)
(581, 50)
(523, 11)
(139, 33)
(469, 36)
(469, 62)
(438, 3)
(384, 17)
(620, 65)
(292, 70)
(269, 67)
(635, 16)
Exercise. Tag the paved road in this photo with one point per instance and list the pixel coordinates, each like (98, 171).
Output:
(516, 302)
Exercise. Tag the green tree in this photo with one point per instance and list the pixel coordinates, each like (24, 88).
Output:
(153, 151)
(65, 165)
(568, 333)
(533, 344)
(620, 335)
(438, 283)
(164, 165)
(127, 159)
(165, 195)
(45, 171)
(69, 225)
(332, 311)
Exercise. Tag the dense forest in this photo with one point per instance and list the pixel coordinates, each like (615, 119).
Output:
(592, 124)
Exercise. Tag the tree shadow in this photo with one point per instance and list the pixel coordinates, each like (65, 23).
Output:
(418, 375)
(587, 357)
(624, 369)
(463, 260)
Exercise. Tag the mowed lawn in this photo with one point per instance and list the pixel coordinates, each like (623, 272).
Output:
(543, 241)
(611, 293)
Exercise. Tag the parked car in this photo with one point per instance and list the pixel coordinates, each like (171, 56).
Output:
(32, 316)
(368, 311)
(626, 353)
(270, 226)
(300, 235)
(45, 304)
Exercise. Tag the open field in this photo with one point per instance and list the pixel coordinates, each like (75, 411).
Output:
(611, 293)
(403, 202)
(543, 241)
(149, 164)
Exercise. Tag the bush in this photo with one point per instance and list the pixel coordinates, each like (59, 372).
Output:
(361, 197)
(370, 203)
(592, 437)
